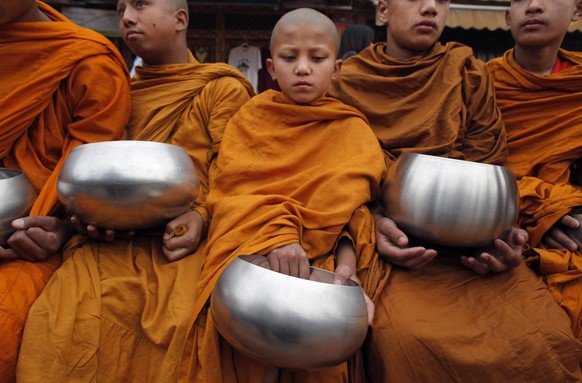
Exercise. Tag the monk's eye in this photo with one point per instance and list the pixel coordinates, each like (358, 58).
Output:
(120, 11)
(288, 58)
(140, 4)
(318, 58)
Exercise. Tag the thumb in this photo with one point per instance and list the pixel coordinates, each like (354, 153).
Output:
(24, 223)
(168, 232)
(342, 274)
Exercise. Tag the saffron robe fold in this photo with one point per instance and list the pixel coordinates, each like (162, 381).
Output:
(411, 115)
(286, 173)
(542, 116)
(118, 311)
(445, 323)
(53, 97)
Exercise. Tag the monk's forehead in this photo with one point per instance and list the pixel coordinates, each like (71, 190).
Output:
(172, 4)
(305, 16)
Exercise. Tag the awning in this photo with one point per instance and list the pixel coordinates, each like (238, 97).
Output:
(489, 17)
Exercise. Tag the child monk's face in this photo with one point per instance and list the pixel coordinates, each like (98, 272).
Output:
(541, 22)
(414, 26)
(304, 61)
(147, 26)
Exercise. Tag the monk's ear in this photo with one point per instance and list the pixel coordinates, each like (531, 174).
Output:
(382, 11)
(578, 12)
(336, 69)
(508, 18)
(271, 68)
(181, 17)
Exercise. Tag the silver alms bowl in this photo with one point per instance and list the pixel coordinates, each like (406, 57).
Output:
(450, 202)
(17, 194)
(288, 322)
(127, 185)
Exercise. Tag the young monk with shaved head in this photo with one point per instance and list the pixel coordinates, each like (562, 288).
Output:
(295, 171)
(61, 86)
(447, 315)
(539, 92)
(119, 309)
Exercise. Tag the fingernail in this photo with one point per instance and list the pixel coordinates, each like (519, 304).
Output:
(18, 222)
(401, 241)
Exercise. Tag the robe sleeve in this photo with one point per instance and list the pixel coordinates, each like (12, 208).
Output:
(485, 139)
(219, 101)
(543, 204)
(98, 100)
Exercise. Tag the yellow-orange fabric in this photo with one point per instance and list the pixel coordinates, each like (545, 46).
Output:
(286, 173)
(441, 105)
(542, 116)
(445, 323)
(118, 311)
(62, 86)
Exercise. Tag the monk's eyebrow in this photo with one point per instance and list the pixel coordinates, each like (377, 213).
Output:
(129, 2)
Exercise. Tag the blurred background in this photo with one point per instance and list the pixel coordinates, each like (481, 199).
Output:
(216, 27)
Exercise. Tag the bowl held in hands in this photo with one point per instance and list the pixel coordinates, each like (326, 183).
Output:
(17, 194)
(288, 322)
(127, 185)
(450, 202)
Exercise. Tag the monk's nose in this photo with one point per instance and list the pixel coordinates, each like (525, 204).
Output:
(429, 7)
(535, 6)
(303, 67)
(128, 16)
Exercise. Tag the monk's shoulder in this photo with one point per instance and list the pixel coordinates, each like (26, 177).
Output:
(463, 56)
(86, 82)
(494, 65)
(225, 90)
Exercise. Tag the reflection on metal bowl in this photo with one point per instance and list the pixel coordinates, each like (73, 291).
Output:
(288, 322)
(17, 194)
(450, 202)
(127, 185)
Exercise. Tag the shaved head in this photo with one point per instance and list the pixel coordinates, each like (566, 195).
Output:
(178, 4)
(305, 16)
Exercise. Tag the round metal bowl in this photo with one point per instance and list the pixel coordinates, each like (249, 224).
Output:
(17, 194)
(450, 202)
(288, 322)
(127, 185)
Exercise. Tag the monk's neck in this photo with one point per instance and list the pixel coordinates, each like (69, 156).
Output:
(399, 53)
(33, 14)
(177, 56)
(538, 60)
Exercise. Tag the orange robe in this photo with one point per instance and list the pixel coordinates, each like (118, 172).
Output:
(118, 311)
(445, 323)
(544, 126)
(286, 173)
(53, 97)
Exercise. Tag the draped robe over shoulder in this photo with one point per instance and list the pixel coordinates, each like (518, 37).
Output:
(286, 173)
(443, 322)
(118, 311)
(544, 135)
(53, 97)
